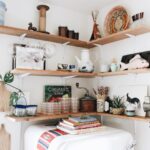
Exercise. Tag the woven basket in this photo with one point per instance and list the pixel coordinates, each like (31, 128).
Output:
(117, 111)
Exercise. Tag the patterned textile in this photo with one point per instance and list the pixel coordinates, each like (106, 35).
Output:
(46, 138)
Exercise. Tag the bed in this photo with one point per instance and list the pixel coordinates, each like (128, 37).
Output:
(106, 138)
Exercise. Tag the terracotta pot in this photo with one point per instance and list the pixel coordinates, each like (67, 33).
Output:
(117, 111)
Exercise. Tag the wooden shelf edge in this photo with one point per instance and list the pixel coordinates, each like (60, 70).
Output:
(42, 36)
(52, 73)
(73, 42)
(125, 72)
(42, 117)
(136, 118)
(121, 35)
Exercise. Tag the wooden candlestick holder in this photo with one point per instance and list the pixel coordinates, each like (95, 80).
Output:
(42, 18)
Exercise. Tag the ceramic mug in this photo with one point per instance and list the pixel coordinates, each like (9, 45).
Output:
(104, 68)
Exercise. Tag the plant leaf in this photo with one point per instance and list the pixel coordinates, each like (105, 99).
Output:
(9, 77)
(14, 98)
(0, 77)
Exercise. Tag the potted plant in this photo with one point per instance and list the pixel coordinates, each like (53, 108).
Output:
(117, 105)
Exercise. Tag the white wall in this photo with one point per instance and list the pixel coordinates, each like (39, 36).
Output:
(140, 130)
(19, 14)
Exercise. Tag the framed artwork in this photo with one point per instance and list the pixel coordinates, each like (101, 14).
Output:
(25, 57)
(54, 93)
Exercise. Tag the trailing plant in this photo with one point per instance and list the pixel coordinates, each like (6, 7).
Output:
(15, 96)
(117, 102)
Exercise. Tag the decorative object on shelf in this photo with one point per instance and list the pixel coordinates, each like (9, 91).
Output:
(42, 17)
(55, 93)
(137, 20)
(104, 68)
(31, 27)
(138, 91)
(96, 32)
(87, 103)
(5, 138)
(137, 62)
(85, 64)
(131, 106)
(62, 66)
(66, 67)
(146, 106)
(26, 57)
(50, 107)
(4, 93)
(101, 96)
(65, 105)
(31, 110)
(113, 66)
(74, 105)
(117, 105)
(63, 31)
(3, 9)
(117, 20)
(14, 98)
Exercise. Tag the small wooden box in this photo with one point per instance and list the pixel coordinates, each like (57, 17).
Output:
(87, 105)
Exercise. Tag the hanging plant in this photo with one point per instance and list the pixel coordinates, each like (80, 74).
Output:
(15, 96)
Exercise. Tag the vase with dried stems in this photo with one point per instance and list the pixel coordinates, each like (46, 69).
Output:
(96, 32)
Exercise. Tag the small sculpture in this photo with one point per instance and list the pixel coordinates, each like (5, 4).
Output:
(95, 33)
(131, 105)
(30, 27)
(136, 62)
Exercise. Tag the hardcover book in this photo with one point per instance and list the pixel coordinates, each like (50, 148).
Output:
(83, 119)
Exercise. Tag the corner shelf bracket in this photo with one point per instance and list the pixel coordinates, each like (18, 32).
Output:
(130, 35)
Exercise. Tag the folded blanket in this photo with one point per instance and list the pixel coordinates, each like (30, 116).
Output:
(46, 138)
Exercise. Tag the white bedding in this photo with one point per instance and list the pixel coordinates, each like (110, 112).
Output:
(105, 139)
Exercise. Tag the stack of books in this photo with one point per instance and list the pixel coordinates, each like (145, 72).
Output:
(79, 125)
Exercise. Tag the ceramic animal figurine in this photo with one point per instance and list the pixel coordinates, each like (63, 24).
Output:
(131, 105)
(30, 27)
(132, 100)
(136, 62)
(85, 64)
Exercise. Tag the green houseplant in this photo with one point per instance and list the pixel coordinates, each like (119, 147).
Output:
(14, 96)
(117, 105)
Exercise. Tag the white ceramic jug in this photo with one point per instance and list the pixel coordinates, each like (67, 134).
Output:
(85, 64)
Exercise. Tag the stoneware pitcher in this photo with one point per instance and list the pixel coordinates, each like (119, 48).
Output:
(85, 64)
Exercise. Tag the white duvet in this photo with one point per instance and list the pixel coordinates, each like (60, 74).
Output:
(105, 139)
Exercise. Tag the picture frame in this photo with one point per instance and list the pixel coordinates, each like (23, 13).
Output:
(26, 57)
(54, 93)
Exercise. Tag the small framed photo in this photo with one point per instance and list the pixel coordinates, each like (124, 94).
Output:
(25, 57)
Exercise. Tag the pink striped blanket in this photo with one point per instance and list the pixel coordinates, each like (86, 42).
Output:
(47, 137)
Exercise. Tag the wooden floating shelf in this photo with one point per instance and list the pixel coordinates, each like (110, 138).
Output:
(126, 72)
(121, 35)
(78, 43)
(137, 118)
(42, 36)
(41, 117)
(52, 73)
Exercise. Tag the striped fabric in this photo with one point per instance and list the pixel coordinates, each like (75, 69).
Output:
(46, 138)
